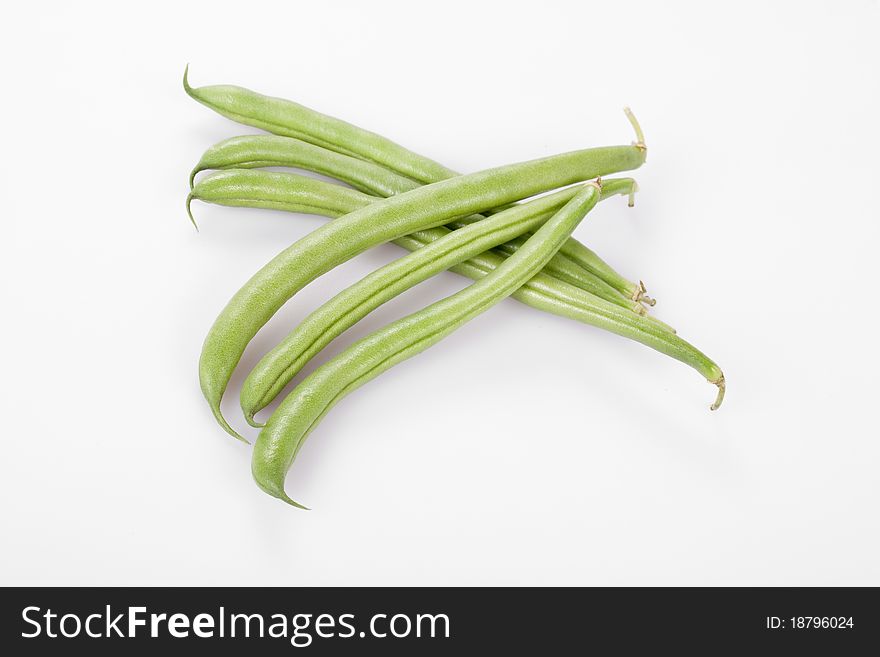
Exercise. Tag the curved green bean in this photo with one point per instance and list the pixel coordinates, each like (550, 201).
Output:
(283, 436)
(276, 369)
(385, 220)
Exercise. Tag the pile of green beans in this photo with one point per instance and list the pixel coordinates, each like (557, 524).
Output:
(508, 228)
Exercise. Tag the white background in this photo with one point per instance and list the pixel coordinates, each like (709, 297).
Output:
(524, 449)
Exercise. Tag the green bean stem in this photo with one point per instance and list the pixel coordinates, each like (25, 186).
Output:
(383, 221)
(276, 369)
(254, 151)
(299, 413)
(287, 118)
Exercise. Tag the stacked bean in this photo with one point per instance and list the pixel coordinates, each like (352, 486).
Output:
(517, 247)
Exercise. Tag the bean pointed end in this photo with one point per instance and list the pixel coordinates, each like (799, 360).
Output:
(275, 488)
(720, 397)
(188, 89)
(189, 200)
(285, 498)
(218, 415)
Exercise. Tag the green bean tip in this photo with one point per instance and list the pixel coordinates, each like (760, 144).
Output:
(189, 200)
(223, 423)
(293, 503)
(186, 87)
(721, 388)
(276, 490)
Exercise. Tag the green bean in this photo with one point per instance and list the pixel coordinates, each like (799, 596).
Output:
(276, 191)
(299, 413)
(286, 118)
(385, 220)
(257, 151)
(276, 369)
(301, 194)
(252, 151)
(563, 268)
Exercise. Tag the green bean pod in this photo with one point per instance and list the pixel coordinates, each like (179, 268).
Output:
(254, 151)
(276, 369)
(271, 190)
(284, 117)
(257, 151)
(383, 221)
(299, 413)
(289, 192)
(542, 292)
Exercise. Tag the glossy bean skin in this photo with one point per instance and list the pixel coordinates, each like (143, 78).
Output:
(302, 194)
(276, 369)
(383, 221)
(254, 151)
(299, 413)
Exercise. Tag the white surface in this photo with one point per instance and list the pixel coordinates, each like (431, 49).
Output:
(524, 449)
